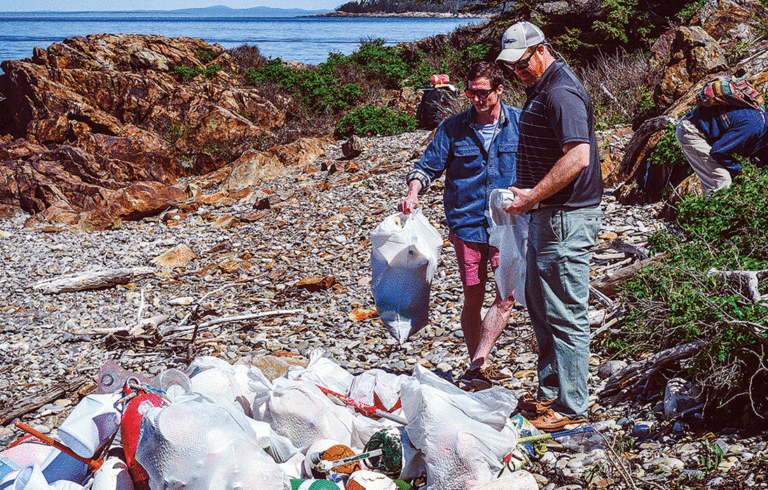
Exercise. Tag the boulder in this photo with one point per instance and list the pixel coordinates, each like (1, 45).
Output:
(687, 54)
(353, 147)
(718, 18)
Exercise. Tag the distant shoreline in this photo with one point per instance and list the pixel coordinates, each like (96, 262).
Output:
(431, 15)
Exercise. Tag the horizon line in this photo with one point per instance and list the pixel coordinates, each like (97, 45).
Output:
(160, 10)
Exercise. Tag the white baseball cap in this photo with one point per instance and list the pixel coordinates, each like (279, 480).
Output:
(517, 39)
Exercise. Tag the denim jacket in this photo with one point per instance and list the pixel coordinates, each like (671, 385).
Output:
(471, 173)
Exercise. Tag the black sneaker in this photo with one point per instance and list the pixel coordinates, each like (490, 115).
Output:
(474, 380)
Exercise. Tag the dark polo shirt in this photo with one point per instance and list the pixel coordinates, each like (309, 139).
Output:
(558, 111)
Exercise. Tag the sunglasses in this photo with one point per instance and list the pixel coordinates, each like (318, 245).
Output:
(523, 63)
(481, 94)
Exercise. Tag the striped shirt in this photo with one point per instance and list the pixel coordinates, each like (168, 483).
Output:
(558, 111)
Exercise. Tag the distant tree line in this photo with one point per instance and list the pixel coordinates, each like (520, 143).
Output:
(400, 6)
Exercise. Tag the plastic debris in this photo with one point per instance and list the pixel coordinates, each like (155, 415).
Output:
(249, 432)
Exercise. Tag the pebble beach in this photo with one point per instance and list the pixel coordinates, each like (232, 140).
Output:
(294, 258)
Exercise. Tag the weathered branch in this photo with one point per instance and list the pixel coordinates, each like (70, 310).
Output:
(91, 280)
(199, 302)
(745, 279)
(34, 402)
(609, 284)
(636, 375)
(636, 150)
(231, 319)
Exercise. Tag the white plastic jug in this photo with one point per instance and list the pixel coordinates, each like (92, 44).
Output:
(90, 425)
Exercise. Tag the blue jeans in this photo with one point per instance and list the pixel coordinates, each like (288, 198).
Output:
(557, 292)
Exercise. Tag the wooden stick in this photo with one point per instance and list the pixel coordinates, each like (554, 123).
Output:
(746, 279)
(31, 403)
(91, 280)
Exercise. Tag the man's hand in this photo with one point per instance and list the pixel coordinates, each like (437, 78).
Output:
(523, 201)
(575, 159)
(408, 204)
(411, 200)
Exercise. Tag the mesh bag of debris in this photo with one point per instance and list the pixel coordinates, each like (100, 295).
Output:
(406, 249)
(204, 443)
(509, 234)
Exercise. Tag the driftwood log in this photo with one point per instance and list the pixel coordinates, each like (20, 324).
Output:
(91, 280)
(635, 377)
(637, 151)
(50, 395)
(609, 284)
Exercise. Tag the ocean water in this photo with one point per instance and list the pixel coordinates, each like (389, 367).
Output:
(304, 39)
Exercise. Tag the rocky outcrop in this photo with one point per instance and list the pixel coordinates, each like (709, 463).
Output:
(685, 55)
(719, 35)
(104, 126)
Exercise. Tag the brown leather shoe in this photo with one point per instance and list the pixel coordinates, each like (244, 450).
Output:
(552, 421)
(529, 403)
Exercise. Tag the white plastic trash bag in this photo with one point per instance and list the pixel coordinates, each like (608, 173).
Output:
(376, 387)
(301, 412)
(491, 406)
(322, 371)
(509, 234)
(406, 249)
(204, 443)
(460, 451)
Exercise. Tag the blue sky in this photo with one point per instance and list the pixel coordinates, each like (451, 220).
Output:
(79, 5)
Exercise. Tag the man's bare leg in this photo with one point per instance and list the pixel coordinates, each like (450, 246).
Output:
(480, 337)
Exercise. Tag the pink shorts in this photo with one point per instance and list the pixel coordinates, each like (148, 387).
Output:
(473, 260)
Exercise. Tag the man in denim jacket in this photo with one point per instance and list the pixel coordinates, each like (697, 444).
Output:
(477, 151)
(710, 136)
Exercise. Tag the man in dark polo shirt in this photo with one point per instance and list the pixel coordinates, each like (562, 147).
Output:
(560, 184)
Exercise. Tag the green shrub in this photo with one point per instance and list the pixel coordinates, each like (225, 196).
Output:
(314, 88)
(370, 120)
(187, 73)
(677, 301)
(393, 67)
(206, 55)
(667, 151)
(689, 10)
(175, 133)
(622, 20)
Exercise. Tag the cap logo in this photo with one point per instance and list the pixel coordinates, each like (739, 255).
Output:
(510, 41)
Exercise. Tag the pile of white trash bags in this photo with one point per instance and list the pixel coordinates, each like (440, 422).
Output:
(218, 426)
